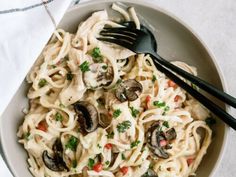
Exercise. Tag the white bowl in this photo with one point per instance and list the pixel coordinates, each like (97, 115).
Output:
(175, 42)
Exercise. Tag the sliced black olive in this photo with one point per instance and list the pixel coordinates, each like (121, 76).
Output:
(170, 134)
(87, 114)
(128, 90)
(150, 173)
(55, 163)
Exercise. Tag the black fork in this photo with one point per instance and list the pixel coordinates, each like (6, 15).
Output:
(139, 41)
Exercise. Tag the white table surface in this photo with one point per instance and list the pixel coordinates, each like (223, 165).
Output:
(215, 22)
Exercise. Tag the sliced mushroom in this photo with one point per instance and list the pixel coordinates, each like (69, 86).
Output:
(87, 114)
(154, 136)
(170, 134)
(55, 163)
(150, 173)
(104, 120)
(128, 90)
(99, 75)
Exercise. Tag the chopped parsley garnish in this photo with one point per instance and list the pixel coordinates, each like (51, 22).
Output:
(123, 156)
(69, 76)
(166, 124)
(210, 121)
(96, 54)
(122, 127)
(107, 162)
(167, 108)
(58, 117)
(118, 81)
(110, 135)
(53, 66)
(134, 144)
(72, 143)
(99, 146)
(159, 104)
(84, 66)
(74, 163)
(104, 67)
(134, 112)
(42, 83)
(26, 136)
(91, 163)
(151, 166)
(116, 113)
(154, 78)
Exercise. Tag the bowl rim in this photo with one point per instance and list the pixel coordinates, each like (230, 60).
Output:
(154, 6)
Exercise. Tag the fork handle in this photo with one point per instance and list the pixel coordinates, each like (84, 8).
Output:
(209, 88)
(223, 115)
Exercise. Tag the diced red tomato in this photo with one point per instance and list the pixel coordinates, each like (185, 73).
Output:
(190, 161)
(177, 97)
(163, 143)
(148, 99)
(110, 113)
(172, 84)
(97, 167)
(42, 126)
(124, 170)
(108, 146)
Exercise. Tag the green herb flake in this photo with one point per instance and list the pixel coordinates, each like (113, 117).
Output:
(134, 112)
(42, 83)
(135, 143)
(210, 121)
(122, 127)
(99, 146)
(104, 67)
(123, 156)
(58, 117)
(26, 136)
(116, 113)
(74, 163)
(159, 104)
(69, 76)
(166, 124)
(107, 162)
(53, 66)
(72, 143)
(96, 54)
(110, 135)
(118, 81)
(154, 78)
(91, 163)
(167, 108)
(84, 66)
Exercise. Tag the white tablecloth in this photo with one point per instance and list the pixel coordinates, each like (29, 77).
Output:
(214, 21)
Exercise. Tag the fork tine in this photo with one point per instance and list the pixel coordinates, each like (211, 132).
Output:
(118, 36)
(119, 42)
(123, 31)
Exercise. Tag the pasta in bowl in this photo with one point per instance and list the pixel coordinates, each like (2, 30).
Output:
(97, 109)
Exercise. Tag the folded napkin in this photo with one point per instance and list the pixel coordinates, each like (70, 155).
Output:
(26, 26)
